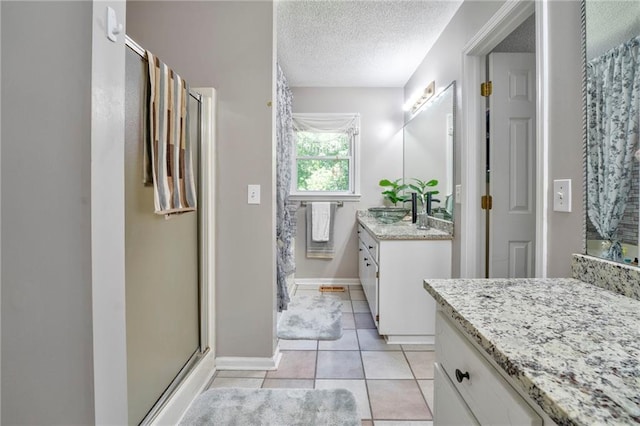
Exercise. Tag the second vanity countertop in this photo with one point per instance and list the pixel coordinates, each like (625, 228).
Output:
(574, 348)
(403, 230)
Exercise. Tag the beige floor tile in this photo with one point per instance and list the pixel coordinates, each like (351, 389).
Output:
(364, 320)
(360, 306)
(357, 387)
(397, 400)
(298, 345)
(295, 365)
(411, 347)
(231, 382)
(247, 374)
(339, 365)
(370, 340)
(421, 364)
(367, 423)
(288, 383)
(357, 295)
(403, 423)
(348, 342)
(427, 390)
(386, 365)
(348, 320)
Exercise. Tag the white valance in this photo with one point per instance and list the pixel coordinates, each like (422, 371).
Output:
(307, 122)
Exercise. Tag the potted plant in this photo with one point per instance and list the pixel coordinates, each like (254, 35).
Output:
(425, 194)
(393, 194)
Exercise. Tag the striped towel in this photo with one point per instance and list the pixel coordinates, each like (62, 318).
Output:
(168, 141)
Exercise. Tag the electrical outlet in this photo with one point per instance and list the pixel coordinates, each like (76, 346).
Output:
(253, 194)
(562, 195)
(458, 194)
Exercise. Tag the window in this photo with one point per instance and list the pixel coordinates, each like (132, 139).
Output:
(325, 156)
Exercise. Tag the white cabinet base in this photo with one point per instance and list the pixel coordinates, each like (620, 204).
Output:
(409, 340)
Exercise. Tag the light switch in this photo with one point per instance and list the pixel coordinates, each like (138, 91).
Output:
(562, 195)
(253, 194)
(458, 194)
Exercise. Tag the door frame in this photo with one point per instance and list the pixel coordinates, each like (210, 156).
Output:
(501, 24)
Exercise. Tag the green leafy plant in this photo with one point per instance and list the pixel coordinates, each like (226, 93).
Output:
(421, 187)
(392, 191)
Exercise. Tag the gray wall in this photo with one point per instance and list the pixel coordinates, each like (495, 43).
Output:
(565, 230)
(443, 64)
(47, 357)
(229, 45)
(381, 121)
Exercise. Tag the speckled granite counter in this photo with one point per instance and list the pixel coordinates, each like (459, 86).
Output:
(402, 230)
(574, 348)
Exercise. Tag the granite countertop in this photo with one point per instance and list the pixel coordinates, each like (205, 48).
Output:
(574, 348)
(403, 230)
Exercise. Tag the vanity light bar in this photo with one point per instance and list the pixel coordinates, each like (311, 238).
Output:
(426, 95)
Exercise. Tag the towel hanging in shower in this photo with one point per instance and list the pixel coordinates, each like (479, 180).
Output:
(168, 142)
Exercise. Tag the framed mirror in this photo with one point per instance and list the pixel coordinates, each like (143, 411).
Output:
(612, 160)
(429, 139)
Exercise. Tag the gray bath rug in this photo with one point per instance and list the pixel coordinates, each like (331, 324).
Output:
(312, 318)
(276, 407)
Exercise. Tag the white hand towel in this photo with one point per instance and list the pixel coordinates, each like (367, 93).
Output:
(320, 221)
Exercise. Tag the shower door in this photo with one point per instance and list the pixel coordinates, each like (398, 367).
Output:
(161, 265)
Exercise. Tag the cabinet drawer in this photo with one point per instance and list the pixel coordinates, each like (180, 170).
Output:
(449, 408)
(370, 243)
(489, 396)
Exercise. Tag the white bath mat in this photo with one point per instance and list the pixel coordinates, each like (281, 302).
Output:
(273, 407)
(312, 318)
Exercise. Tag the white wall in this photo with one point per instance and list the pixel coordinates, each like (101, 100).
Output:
(47, 356)
(381, 119)
(229, 45)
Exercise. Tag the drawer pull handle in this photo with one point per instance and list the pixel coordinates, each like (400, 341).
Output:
(368, 264)
(359, 249)
(460, 376)
(365, 259)
(370, 247)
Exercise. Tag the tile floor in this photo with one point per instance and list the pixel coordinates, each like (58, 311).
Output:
(393, 384)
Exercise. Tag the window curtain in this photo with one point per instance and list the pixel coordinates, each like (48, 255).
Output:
(613, 108)
(347, 123)
(285, 212)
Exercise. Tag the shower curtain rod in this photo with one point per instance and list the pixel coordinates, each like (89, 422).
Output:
(131, 44)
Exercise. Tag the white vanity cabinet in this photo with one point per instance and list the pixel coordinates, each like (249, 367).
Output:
(392, 273)
(468, 389)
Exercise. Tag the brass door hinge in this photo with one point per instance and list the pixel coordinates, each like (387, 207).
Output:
(486, 202)
(486, 89)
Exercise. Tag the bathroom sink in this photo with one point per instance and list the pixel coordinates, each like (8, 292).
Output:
(388, 214)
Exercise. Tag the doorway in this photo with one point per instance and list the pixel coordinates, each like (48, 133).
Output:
(509, 162)
(522, 257)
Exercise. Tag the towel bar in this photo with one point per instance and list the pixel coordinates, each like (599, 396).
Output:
(337, 203)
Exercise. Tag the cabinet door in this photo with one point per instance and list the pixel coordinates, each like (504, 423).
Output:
(449, 407)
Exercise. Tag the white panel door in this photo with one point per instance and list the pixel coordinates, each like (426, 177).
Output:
(512, 165)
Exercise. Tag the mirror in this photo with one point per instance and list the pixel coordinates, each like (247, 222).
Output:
(612, 45)
(428, 148)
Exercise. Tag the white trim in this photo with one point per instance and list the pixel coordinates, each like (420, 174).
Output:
(207, 224)
(396, 339)
(323, 196)
(317, 282)
(249, 363)
(542, 135)
(193, 385)
(501, 24)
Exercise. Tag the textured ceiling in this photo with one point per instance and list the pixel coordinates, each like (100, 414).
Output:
(337, 43)
(610, 23)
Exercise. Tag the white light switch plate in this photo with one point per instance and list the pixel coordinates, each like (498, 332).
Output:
(562, 195)
(253, 194)
(458, 194)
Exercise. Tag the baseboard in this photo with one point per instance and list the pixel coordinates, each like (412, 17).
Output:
(190, 388)
(303, 282)
(248, 363)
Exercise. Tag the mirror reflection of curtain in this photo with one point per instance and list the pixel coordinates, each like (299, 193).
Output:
(613, 109)
(285, 213)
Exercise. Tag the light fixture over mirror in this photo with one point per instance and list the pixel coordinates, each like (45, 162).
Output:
(612, 88)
